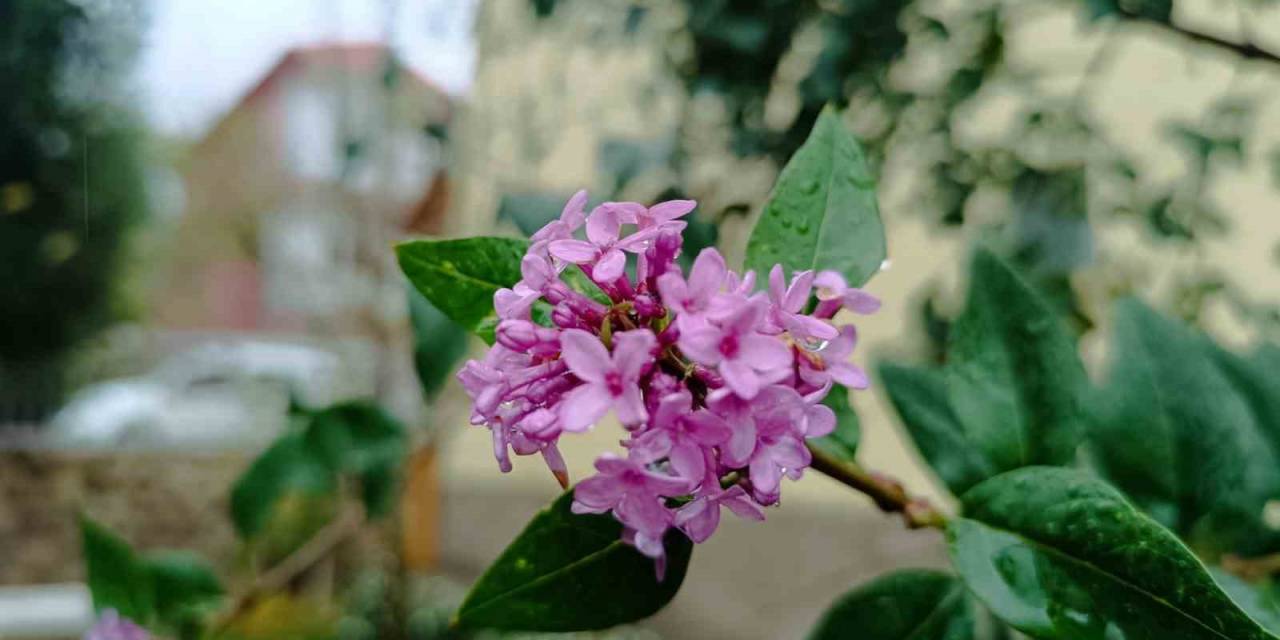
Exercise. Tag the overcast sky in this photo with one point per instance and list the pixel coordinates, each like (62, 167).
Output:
(201, 56)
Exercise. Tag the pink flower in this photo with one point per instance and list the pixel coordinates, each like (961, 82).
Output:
(831, 363)
(610, 381)
(112, 626)
(786, 312)
(665, 214)
(571, 217)
(632, 492)
(713, 382)
(834, 293)
(700, 518)
(694, 296)
(604, 251)
(681, 434)
(746, 358)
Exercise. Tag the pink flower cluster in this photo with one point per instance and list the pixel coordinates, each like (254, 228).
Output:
(717, 385)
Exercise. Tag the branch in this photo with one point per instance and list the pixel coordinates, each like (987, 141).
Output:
(888, 494)
(278, 577)
(1246, 50)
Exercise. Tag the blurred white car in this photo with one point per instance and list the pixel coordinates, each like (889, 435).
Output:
(214, 397)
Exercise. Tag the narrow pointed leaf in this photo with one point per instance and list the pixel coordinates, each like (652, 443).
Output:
(920, 397)
(570, 572)
(1171, 430)
(823, 212)
(906, 605)
(1059, 554)
(1014, 379)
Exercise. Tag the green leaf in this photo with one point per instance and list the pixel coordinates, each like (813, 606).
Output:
(361, 439)
(823, 212)
(906, 605)
(186, 589)
(1058, 553)
(288, 465)
(920, 397)
(1170, 430)
(1014, 379)
(460, 276)
(1257, 379)
(438, 343)
(117, 580)
(843, 442)
(570, 572)
(1258, 603)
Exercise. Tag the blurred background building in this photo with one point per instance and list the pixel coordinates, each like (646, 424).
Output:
(197, 202)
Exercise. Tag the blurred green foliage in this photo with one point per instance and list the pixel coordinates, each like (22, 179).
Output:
(71, 179)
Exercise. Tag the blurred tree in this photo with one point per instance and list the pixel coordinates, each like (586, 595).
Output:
(71, 183)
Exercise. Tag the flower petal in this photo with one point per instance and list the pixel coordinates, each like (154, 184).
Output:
(586, 356)
(598, 493)
(702, 344)
(631, 352)
(583, 407)
(575, 251)
(630, 406)
(741, 378)
(763, 353)
(610, 266)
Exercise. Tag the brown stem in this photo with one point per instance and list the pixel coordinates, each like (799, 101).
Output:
(888, 494)
(1246, 50)
(278, 577)
(1251, 569)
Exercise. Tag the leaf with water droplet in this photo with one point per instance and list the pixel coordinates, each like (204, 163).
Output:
(1060, 555)
(815, 220)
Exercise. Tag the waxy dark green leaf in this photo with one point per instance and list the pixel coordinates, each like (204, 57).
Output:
(460, 276)
(1014, 379)
(843, 442)
(1170, 430)
(823, 212)
(570, 572)
(1059, 554)
(920, 397)
(906, 605)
